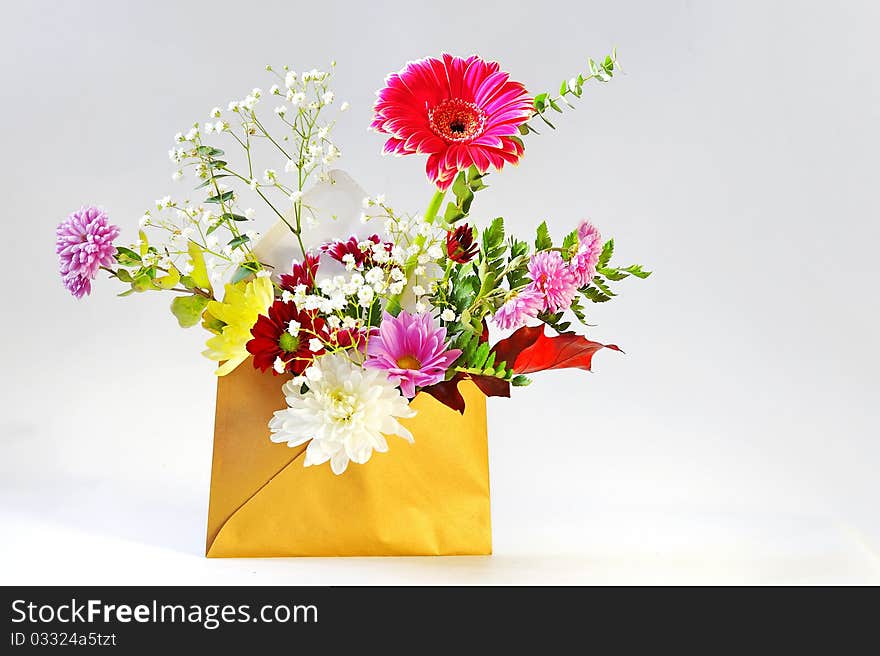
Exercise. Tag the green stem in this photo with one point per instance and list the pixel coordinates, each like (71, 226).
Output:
(434, 206)
(430, 215)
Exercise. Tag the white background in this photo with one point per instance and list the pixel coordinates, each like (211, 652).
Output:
(736, 442)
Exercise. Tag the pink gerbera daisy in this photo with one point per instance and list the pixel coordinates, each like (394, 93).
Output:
(554, 279)
(411, 350)
(583, 264)
(460, 112)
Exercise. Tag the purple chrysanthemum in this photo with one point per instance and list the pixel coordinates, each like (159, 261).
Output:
(411, 350)
(84, 244)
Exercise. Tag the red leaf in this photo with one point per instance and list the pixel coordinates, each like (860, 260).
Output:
(529, 350)
(491, 386)
(447, 391)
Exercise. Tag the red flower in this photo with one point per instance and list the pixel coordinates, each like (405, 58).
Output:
(460, 246)
(460, 112)
(302, 274)
(276, 337)
(339, 249)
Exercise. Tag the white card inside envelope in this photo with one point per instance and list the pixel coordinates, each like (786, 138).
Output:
(336, 207)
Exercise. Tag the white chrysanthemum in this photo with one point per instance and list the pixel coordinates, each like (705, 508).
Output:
(346, 413)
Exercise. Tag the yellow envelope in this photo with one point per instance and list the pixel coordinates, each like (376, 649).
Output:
(427, 498)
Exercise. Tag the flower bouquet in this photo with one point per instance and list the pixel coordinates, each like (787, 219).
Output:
(327, 342)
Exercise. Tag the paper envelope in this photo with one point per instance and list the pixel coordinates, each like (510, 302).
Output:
(426, 498)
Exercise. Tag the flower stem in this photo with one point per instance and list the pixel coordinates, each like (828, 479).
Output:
(434, 206)
(430, 215)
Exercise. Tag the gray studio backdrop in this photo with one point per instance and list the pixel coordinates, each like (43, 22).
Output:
(736, 157)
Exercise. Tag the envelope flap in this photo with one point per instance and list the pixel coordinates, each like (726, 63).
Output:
(244, 458)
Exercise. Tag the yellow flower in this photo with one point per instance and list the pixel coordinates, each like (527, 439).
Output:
(242, 303)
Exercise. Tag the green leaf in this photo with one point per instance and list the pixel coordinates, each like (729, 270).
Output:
(124, 275)
(452, 214)
(127, 257)
(235, 242)
(595, 295)
(520, 381)
(233, 217)
(540, 102)
(636, 270)
(570, 244)
(208, 181)
(199, 272)
(221, 198)
(209, 151)
(607, 252)
(189, 309)
(543, 240)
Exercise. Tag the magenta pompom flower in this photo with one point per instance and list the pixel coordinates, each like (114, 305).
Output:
(84, 244)
(411, 350)
(523, 305)
(460, 112)
(583, 264)
(553, 279)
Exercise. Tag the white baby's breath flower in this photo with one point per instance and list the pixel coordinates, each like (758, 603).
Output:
(315, 345)
(178, 138)
(418, 290)
(296, 196)
(448, 315)
(343, 415)
(208, 128)
(286, 296)
(435, 252)
(281, 110)
(249, 213)
(279, 365)
(177, 175)
(274, 90)
(269, 175)
(192, 134)
(327, 98)
(344, 107)
(215, 113)
(333, 321)
(349, 323)
(293, 327)
(290, 79)
(419, 270)
(289, 166)
(365, 295)
(421, 307)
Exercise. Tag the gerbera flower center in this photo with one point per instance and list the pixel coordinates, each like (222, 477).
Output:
(408, 362)
(288, 343)
(457, 120)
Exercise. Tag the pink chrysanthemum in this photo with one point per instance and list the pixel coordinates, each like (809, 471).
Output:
(583, 264)
(523, 305)
(411, 350)
(553, 279)
(460, 112)
(84, 243)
